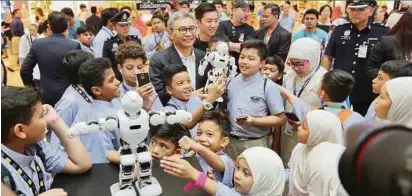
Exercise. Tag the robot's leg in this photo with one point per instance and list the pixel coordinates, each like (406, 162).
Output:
(127, 173)
(146, 185)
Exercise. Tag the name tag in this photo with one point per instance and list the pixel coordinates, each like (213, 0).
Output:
(288, 132)
(363, 49)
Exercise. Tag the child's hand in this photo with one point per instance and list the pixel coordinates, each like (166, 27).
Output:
(294, 124)
(215, 90)
(211, 175)
(54, 192)
(50, 115)
(186, 143)
(247, 122)
(178, 167)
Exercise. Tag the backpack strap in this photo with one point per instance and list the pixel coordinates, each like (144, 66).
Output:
(172, 105)
(264, 85)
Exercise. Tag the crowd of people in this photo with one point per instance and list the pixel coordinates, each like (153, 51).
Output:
(279, 126)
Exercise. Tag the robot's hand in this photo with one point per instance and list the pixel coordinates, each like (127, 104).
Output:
(157, 118)
(83, 128)
(178, 116)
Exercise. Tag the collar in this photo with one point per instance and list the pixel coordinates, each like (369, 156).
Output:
(127, 87)
(179, 103)
(21, 159)
(335, 105)
(108, 30)
(16, 17)
(102, 103)
(367, 28)
(183, 57)
(251, 78)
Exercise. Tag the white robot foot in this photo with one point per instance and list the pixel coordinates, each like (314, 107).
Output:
(153, 189)
(115, 190)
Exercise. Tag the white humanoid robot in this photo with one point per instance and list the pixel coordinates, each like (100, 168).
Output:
(132, 123)
(222, 64)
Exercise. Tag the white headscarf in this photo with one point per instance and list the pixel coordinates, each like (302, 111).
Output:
(267, 171)
(400, 92)
(323, 126)
(308, 49)
(322, 170)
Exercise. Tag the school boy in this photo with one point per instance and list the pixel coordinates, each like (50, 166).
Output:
(210, 142)
(28, 163)
(98, 79)
(254, 102)
(132, 61)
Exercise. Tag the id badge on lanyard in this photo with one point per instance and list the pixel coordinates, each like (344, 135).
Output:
(363, 50)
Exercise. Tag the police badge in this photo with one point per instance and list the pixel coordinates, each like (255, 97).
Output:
(114, 47)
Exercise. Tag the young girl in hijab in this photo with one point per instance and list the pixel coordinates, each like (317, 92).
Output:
(394, 102)
(304, 82)
(258, 172)
(319, 126)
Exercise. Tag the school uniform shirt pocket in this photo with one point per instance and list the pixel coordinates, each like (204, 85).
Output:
(256, 105)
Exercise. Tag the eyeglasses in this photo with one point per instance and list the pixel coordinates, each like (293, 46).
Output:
(183, 30)
(298, 64)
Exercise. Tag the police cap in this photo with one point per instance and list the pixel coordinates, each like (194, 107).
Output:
(121, 18)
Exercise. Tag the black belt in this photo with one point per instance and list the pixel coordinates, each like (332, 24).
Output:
(246, 138)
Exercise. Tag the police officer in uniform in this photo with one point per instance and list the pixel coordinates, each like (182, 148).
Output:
(349, 47)
(112, 44)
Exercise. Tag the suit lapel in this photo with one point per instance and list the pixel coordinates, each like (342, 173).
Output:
(273, 37)
(174, 57)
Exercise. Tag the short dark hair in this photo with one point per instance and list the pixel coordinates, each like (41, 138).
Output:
(17, 107)
(170, 71)
(276, 60)
(84, 29)
(274, 9)
(397, 68)
(287, 2)
(130, 50)
(91, 73)
(256, 44)
(218, 38)
(324, 7)
(93, 9)
(312, 11)
(185, 3)
(15, 11)
(82, 6)
(217, 2)
(108, 14)
(384, 7)
(172, 132)
(126, 8)
(71, 63)
(43, 26)
(203, 8)
(58, 22)
(338, 84)
(220, 119)
(158, 16)
(68, 12)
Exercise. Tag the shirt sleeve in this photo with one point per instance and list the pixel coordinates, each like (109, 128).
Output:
(55, 158)
(223, 190)
(301, 108)
(273, 99)
(330, 48)
(229, 169)
(193, 104)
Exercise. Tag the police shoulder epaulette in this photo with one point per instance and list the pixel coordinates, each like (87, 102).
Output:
(378, 24)
(134, 36)
(110, 38)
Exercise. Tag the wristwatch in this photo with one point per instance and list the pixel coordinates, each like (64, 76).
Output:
(208, 106)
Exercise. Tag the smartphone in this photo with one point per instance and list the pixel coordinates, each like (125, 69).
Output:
(291, 116)
(241, 118)
(143, 78)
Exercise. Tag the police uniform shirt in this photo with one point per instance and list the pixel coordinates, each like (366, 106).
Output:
(236, 34)
(99, 40)
(246, 96)
(110, 48)
(344, 46)
(153, 40)
(49, 158)
(100, 143)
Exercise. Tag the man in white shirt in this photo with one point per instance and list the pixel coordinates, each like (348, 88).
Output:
(25, 44)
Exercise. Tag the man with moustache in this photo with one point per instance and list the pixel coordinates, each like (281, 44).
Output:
(207, 19)
(183, 29)
(236, 28)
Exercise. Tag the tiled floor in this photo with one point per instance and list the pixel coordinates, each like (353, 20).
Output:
(13, 78)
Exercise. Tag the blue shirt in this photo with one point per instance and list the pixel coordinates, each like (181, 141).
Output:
(225, 177)
(99, 144)
(52, 162)
(246, 96)
(134, 31)
(99, 40)
(319, 35)
(17, 28)
(223, 190)
(73, 29)
(153, 40)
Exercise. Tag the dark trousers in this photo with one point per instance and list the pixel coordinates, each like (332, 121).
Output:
(361, 108)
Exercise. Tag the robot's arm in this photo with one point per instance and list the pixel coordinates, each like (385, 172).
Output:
(205, 62)
(104, 124)
(178, 116)
(232, 67)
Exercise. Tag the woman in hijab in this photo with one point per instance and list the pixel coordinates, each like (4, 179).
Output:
(394, 102)
(258, 172)
(303, 81)
(319, 126)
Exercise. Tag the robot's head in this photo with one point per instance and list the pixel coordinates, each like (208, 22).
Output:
(132, 103)
(222, 48)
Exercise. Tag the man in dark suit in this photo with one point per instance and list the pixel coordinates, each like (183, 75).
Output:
(48, 53)
(276, 38)
(183, 35)
(94, 21)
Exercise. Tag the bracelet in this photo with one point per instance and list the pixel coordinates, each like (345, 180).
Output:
(199, 183)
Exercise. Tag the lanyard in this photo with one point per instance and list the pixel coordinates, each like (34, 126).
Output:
(24, 175)
(159, 41)
(82, 93)
(304, 84)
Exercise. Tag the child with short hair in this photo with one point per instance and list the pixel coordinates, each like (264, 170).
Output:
(211, 140)
(179, 86)
(274, 69)
(254, 102)
(98, 79)
(388, 70)
(216, 38)
(258, 171)
(132, 61)
(29, 160)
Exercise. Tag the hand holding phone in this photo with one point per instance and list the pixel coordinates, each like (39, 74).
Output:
(143, 78)
(291, 116)
(241, 118)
